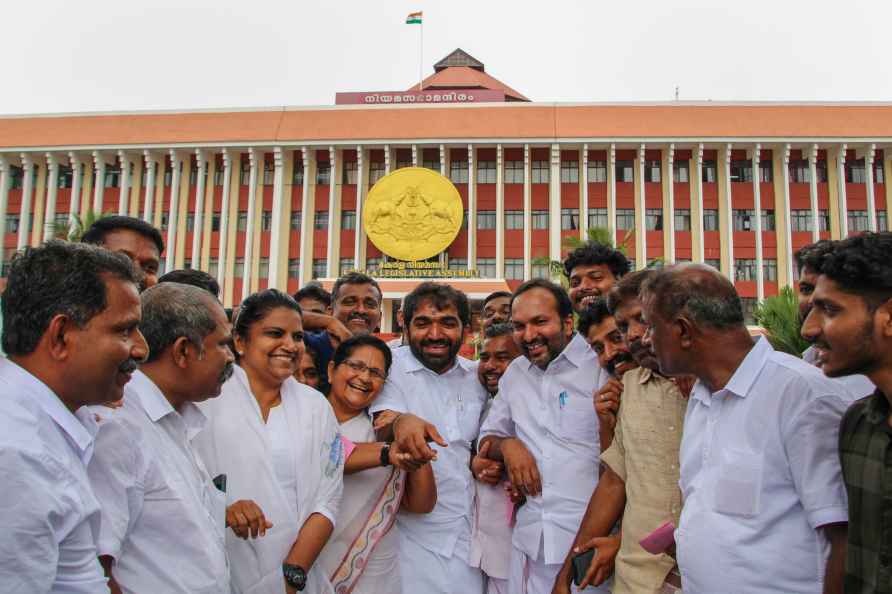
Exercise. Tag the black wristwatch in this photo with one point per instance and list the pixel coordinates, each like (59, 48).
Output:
(295, 576)
(385, 455)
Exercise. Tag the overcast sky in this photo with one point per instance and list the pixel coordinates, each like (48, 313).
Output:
(97, 55)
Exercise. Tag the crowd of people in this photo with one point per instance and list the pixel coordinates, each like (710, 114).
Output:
(626, 434)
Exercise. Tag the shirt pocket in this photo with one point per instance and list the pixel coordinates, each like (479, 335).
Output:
(738, 487)
(578, 421)
(469, 420)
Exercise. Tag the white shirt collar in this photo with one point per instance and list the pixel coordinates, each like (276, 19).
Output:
(156, 405)
(413, 364)
(575, 353)
(744, 376)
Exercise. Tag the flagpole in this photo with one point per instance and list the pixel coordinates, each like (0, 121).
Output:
(421, 56)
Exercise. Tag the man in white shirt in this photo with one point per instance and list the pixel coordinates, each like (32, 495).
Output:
(764, 501)
(71, 316)
(432, 392)
(543, 427)
(162, 517)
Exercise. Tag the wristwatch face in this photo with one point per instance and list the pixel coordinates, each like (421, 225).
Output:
(295, 576)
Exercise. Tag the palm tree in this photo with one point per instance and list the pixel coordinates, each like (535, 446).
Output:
(80, 224)
(779, 316)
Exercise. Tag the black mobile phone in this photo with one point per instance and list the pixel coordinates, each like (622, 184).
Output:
(220, 482)
(581, 564)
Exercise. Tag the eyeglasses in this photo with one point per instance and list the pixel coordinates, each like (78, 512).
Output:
(359, 367)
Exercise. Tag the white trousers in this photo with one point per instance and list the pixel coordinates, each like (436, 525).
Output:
(496, 586)
(426, 572)
(532, 576)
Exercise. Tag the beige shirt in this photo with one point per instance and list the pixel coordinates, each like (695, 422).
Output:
(644, 453)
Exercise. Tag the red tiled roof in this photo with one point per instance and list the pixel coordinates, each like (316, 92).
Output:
(464, 77)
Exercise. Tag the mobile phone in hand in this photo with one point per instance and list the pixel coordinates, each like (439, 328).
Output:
(581, 563)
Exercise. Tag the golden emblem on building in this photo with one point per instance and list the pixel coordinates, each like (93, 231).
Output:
(412, 214)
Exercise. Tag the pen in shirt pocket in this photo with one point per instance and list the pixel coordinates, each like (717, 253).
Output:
(562, 399)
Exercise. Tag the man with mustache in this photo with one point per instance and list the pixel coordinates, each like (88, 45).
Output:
(496, 309)
(71, 335)
(162, 524)
(851, 325)
(543, 428)
(591, 271)
(432, 394)
(136, 239)
(640, 480)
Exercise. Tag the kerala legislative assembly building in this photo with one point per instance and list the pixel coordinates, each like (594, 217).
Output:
(275, 196)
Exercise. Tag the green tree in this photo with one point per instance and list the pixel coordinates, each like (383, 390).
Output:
(80, 224)
(779, 316)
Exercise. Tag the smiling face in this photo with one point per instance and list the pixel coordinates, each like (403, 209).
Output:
(587, 282)
(629, 317)
(539, 330)
(495, 356)
(435, 335)
(273, 347)
(358, 307)
(306, 372)
(140, 249)
(610, 345)
(356, 381)
(496, 311)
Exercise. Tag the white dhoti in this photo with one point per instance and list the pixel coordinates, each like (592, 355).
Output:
(496, 586)
(534, 576)
(430, 573)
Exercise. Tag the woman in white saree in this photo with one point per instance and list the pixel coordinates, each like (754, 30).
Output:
(277, 442)
(362, 556)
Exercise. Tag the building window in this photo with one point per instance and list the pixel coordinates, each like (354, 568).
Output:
(710, 220)
(215, 221)
(766, 172)
(514, 268)
(403, 164)
(682, 219)
(190, 222)
(269, 172)
(540, 172)
(458, 263)
(458, 172)
(882, 221)
(769, 270)
(165, 219)
(744, 269)
(539, 219)
(540, 271)
(714, 262)
(293, 267)
(297, 176)
(749, 305)
(464, 219)
(486, 219)
(800, 172)
(60, 222)
(741, 171)
(569, 219)
(709, 172)
(653, 219)
(295, 220)
(16, 177)
(513, 172)
(320, 221)
(432, 165)
(858, 221)
(66, 177)
(348, 220)
(239, 268)
(652, 171)
(112, 177)
(376, 171)
(168, 176)
(245, 174)
(486, 172)
(486, 267)
(266, 220)
(744, 220)
(372, 264)
(569, 172)
(218, 176)
(513, 219)
(879, 176)
(767, 220)
(681, 173)
(597, 172)
(597, 218)
(624, 173)
(346, 265)
(349, 173)
(801, 220)
(323, 173)
(855, 172)
(12, 223)
(625, 218)
(241, 221)
(319, 267)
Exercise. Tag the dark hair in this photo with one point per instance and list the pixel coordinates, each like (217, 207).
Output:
(565, 307)
(196, 278)
(56, 278)
(593, 315)
(862, 265)
(704, 294)
(811, 256)
(98, 230)
(496, 295)
(354, 278)
(594, 252)
(496, 330)
(321, 371)
(442, 296)
(256, 306)
(173, 310)
(346, 348)
(313, 290)
(629, 287)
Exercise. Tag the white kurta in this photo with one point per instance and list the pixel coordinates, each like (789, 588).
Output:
(237, 444)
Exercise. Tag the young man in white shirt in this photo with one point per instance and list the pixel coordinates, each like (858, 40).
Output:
(162, 517)
(543, 427)
(764, 501)
(433, 394)
(71, 332)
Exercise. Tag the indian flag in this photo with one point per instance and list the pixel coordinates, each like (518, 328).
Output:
(414, 18)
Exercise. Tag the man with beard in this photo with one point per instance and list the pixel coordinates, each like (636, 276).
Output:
(640, 481)
(591, 270)
(432, 392)
(496, 309)
(136, 239)
(764, 500)
(491, 539)
(162, 524)
(543, 428)
(851, 327)
(72, 313)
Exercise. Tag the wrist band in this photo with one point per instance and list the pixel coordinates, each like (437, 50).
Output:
(385, 455)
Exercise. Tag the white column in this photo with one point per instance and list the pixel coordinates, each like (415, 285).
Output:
(201, 163)
(641, 220)
(52, 190)
(359, 233)
(583, 200)
(414, 155)
(76, 181)
(611, 192)
(224, 220)
(500, 214)
(554, 204)
(669, 223)
(4, 200)
(255, 159)
(701, 220)
(786, 206)
(757, 206)
(841, 189)
(276, 243)
(306, 218)
(443, 160)
(527, 217)
(729, 219)
(869, 156)
(151, 163)
(813, 192)
(472, 209)
(173, 214)
(332, 269)
(27, 191)
(98, 182)
(124, 194)
(387, 159)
